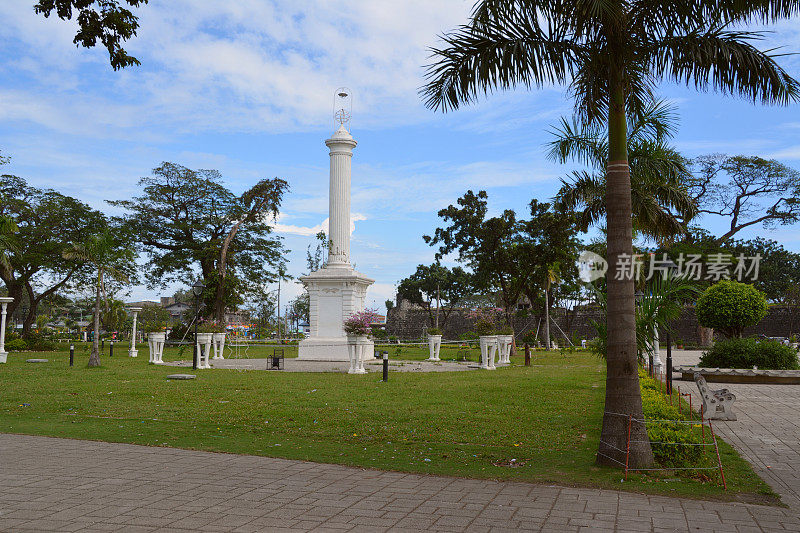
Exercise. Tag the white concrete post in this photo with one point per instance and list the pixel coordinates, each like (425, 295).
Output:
(657, 352)
(133, 352)
(4, 301)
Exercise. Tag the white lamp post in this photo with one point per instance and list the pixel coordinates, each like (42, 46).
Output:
(4, 301)
(133, 352)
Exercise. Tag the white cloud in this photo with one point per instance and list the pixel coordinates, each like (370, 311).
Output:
(238, 66)
(792, 152)
(311, 231)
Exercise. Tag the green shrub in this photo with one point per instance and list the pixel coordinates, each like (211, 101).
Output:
(37, 343)
(673, 443)
(16, 345)
(730, 306)
(434, 331)
(746, 353)
(485, 327)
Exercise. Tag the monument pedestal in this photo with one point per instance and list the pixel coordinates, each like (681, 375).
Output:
(335, 292)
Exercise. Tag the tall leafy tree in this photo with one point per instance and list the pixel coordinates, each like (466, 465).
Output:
(778, 269)
(747, 191)
(107, 21)
(48, 223)
(611, 54)
(187, 221)
(659, 196)
(488, 246)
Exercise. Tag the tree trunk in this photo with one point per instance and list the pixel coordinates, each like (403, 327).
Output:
(546, 318)
(623, 397)
(706, 336)
(94, 357)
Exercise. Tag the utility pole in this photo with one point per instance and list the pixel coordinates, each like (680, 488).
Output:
(279, 310)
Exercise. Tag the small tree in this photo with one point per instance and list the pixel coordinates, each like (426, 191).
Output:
(111, 256)
(730, 306)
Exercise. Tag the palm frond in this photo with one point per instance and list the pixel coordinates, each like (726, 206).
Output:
(505, 49)
(725, 61)
(574, 141)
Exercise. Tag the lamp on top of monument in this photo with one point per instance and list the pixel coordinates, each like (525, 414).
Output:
(342, 108)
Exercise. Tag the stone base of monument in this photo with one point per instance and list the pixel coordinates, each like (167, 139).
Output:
(335, 292)
(329, 349)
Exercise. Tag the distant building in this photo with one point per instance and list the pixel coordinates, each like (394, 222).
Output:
(177, 310)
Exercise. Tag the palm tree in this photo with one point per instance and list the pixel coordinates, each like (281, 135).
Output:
(109, 259)
(552, 276)
(659, 197)
(611, 54)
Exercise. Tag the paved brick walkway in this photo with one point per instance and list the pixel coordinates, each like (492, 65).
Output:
(767, 432)
(51, 484)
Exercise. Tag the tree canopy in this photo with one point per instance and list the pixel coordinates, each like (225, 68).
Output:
(745, 190)
(187, 221)
(47, 223)
(437, 284)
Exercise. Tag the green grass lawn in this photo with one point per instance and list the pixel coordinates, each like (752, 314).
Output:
(544, 419)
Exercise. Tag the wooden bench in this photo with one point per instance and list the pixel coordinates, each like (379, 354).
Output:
(717, 404)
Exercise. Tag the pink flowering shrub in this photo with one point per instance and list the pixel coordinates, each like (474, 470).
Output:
(360, 323)
(210, 326)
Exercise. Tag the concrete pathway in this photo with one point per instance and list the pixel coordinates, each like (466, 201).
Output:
(370, 365)
(51, 484)
(767, 432)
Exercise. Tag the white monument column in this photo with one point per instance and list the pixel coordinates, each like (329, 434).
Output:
(336, 290)
(133, 352)
(4, 301)
(341, 145)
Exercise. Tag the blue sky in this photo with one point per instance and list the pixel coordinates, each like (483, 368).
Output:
(247, 88)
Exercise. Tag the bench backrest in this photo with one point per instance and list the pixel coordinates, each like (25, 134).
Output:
(701, 383)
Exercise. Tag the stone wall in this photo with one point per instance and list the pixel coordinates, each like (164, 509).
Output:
(781, 321)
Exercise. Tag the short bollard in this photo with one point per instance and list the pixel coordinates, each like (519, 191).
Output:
(103, 346)
(71, 354)
(111, 349)
(527, 355)
(385, 366)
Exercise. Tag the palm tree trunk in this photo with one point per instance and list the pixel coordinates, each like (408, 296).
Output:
(623, 397)
(546, 317)
(94, 357)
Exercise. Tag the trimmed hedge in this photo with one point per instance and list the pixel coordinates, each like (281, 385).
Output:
(730, 306)
(765, 354)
